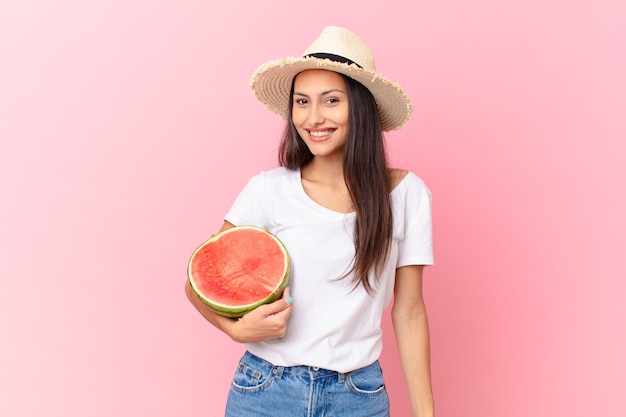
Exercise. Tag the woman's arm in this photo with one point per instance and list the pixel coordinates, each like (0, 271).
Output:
(410, 323)
(265, 322)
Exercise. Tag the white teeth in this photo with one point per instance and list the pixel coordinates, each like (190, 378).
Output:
(320, 134)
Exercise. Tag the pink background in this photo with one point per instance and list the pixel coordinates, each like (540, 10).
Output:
(127, 128)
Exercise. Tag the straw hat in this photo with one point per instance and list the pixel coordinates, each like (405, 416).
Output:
(336, 49)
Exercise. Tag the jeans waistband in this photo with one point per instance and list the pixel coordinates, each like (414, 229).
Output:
(314, 372)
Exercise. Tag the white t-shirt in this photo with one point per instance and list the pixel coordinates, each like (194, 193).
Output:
(332, 325)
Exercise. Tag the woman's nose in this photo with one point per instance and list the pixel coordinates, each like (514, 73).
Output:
(316, 116)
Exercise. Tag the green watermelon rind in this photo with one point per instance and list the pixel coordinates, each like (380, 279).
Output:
(239, 311)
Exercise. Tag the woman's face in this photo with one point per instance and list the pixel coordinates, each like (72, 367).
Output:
(320, 111)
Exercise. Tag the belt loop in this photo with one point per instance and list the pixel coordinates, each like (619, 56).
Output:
(278, 371)
(342, 377)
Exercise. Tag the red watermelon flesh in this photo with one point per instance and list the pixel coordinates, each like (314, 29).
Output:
(239, 269)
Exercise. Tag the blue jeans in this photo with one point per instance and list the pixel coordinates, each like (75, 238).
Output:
(262, 389)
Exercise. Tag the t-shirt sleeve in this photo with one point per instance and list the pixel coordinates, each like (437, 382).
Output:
(417, 246)
(249, 208)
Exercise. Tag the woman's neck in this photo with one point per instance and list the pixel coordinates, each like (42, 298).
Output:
(323, 181)
(325, 170)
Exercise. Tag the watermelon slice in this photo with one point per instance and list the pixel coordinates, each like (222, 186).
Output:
(239, 269)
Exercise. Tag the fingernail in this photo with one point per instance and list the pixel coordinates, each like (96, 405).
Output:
(289, 300)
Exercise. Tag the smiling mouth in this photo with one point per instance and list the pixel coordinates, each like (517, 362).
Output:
(321, 133)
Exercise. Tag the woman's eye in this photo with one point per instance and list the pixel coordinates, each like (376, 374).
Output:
(332, 101)
(300, 101)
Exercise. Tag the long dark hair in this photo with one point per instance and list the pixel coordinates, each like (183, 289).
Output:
(366, 175)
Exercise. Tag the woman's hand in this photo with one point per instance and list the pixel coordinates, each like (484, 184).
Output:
(265, 322)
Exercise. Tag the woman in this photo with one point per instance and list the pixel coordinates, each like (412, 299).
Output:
(357, 233)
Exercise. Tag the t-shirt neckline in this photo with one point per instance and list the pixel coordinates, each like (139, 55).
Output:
(314, 204)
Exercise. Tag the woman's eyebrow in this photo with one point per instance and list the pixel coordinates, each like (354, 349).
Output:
(323, 93)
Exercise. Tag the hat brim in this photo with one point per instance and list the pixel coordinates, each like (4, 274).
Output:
(271, 84)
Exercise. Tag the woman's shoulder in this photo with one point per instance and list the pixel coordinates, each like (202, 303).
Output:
(274, 174)
(273, 178)
(397, 175)
(403, 178)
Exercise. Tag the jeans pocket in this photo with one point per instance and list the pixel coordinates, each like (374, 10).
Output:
(367, 381)
(249, 379)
